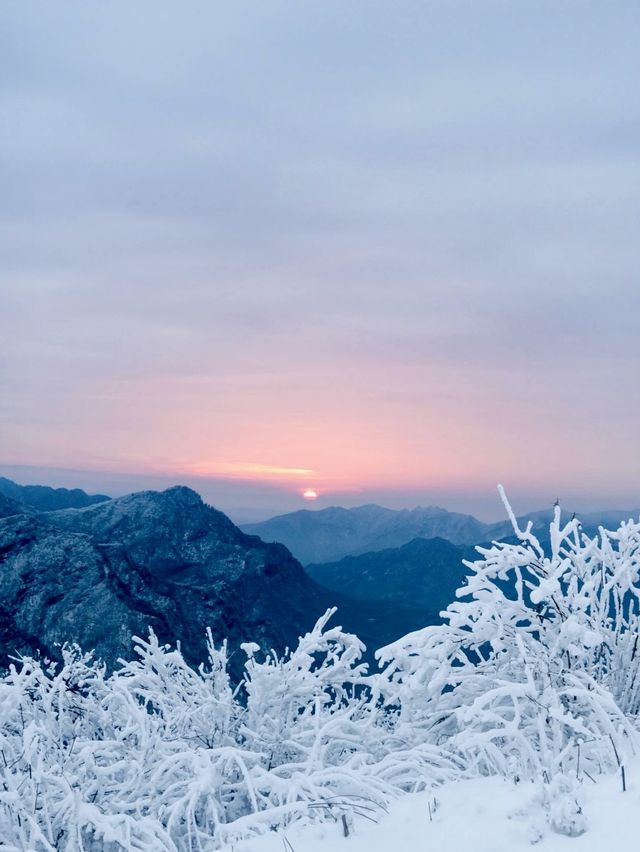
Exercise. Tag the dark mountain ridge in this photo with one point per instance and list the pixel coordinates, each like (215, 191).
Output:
(42, 498)
(423, 572)
(98, 575)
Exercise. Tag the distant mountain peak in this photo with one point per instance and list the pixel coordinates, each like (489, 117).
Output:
(42, 498)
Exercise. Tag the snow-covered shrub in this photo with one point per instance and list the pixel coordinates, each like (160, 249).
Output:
(159, 756)
(536, 669)
(317, 715)
(120, 762)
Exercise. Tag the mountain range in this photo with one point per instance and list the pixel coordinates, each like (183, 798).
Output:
(328, 535)
(95, 570)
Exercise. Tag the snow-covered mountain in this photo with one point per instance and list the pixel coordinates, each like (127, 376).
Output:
(168, 561)
(328, 535)
(102, 574)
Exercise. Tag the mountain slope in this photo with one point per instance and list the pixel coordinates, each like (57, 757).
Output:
(10, 507)
(165, 560)
(423, 573)
(45, 499)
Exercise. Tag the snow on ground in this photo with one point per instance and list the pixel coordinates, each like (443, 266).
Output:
(483, 815)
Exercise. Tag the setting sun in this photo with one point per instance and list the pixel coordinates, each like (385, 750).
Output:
(310, 494)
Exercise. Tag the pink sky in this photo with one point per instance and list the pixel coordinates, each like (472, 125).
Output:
(405, 270)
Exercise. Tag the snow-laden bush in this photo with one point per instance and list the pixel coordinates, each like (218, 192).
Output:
(159, 756)
(535, 671)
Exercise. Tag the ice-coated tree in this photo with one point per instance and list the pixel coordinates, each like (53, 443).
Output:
(536, 669)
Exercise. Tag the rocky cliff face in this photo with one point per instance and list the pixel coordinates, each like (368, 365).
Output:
(163, 560)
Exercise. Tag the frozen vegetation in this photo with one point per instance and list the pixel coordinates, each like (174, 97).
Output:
(522, 704)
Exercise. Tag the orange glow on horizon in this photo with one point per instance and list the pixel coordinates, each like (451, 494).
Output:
(249, 470)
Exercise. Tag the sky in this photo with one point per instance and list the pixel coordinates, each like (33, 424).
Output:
(385, 251)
